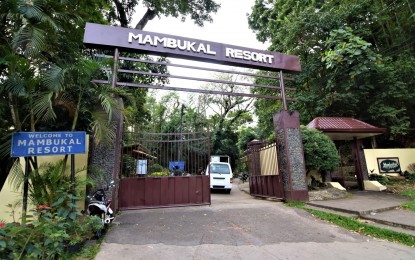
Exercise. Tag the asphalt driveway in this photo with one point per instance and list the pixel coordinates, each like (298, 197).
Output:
(237, 226)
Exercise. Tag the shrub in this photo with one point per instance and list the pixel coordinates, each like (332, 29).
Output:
(411, 168)
(409, 176)
(380, 178)
(54, 225)
(128, 165)
(45, 236)
(160, 174)
(156, 168)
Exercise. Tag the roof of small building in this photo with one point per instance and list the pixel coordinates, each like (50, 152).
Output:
(345, 128)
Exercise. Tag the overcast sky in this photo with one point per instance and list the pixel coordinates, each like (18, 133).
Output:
(229, 26)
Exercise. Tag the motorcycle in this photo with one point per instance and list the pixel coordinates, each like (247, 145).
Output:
(99, 205)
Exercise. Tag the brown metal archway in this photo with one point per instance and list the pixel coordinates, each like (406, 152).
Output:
(273, 65)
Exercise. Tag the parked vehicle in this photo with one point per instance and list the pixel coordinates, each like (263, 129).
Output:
(221, 176)
(220, 158)
(99, 205)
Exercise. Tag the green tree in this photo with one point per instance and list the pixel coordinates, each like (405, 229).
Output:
(356, 56)
(245, 135)
(320, 153)
(199, 11)
(229, 113)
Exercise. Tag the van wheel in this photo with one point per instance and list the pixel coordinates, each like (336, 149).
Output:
(228, 191)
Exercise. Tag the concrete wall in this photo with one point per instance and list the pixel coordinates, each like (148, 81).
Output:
(10, 196)
(406, 157)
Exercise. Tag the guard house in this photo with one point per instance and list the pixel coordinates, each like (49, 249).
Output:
(347, 133)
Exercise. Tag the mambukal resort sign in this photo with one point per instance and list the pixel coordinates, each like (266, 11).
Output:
(47, 143)
(180, 47)
(196, 47)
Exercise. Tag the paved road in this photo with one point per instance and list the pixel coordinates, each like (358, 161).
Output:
(237, 226)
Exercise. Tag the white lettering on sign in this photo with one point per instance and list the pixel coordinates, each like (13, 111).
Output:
(249, 55)
(49, 150)
(43, 142)
(171, 43)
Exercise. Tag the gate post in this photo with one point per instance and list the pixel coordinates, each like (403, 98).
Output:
(290, 155)
(254, 160)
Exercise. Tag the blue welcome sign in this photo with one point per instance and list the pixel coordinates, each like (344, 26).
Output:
(47, 143)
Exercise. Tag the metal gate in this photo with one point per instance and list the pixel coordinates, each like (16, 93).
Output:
(264, 180)
(164, 170)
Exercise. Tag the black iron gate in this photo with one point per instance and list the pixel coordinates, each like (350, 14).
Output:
(164, 170)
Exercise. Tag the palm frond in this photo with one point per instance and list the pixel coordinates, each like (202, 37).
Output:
(54, 78)
(46, 181)
(121, 93)
(15, 85)
(34, 10)
(30, 40)
(16, 175)
(5, 145)
(42, 107)
(102, 128)
(107, 104)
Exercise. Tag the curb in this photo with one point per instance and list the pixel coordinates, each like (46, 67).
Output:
(366, 215)
(360, 213)
(354, 212)
(389, 223)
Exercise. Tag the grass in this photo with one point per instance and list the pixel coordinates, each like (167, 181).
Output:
(405, 187)
(353, 224)
(409, 205)
(88, 251)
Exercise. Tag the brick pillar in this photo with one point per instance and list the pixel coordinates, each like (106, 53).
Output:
(290, 155)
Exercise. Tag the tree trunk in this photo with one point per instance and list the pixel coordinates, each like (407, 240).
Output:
(15, 113)
(149, 15)
(122, 16)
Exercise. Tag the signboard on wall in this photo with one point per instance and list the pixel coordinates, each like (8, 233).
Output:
(47, 143)
(142, 167)
(389, 165)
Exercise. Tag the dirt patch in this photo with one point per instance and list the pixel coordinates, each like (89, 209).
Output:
(398, 184)
(327, 194)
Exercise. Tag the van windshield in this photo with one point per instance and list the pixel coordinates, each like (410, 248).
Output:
(219, 168)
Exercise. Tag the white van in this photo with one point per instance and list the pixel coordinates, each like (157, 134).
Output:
(221, 176)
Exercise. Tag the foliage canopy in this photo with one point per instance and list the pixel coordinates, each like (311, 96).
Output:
(357, 60)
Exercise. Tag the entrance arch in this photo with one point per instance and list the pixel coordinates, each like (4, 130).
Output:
(291, 164)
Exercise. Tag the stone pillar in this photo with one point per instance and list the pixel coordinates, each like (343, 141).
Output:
(290, 155)
(105, 160)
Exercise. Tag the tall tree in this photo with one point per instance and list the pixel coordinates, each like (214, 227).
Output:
(356, 56)
(199, 11)
(229, 113)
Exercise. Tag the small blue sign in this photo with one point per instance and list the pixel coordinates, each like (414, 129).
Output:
(172, 165)
(47, 143)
